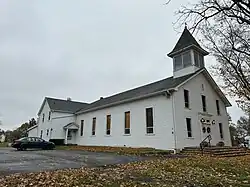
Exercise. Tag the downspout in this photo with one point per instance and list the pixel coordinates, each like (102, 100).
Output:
(174, 123)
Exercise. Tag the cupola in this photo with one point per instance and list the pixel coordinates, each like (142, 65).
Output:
(187, 55)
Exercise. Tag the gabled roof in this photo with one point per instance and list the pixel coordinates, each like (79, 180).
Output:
(186, 41)
(213, 84)
(136, 93)
(71, 125)
(152, 89)
(61, 105)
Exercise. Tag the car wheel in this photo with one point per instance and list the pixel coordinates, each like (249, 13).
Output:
(23, 148)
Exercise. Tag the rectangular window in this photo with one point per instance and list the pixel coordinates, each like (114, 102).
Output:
(49, 115)
(196, 59)
(189, 128)
(221, 130)
(186, 59)
(43, 117)
(186, 98)
(93, 126)
(108, 128)
(149, 121)
(81, 130)
(201, 59)
(177, 62)
(47, 132)
(218, 107)
(204, 105)
(127, 123)
(41, 134)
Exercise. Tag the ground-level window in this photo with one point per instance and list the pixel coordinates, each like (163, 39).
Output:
(41, 134)
(127, 123)
(49, 115)
(51, 130)
(149, 121)
(221, 130)
(189, 128)
(81, 129)
(108, 125)
(93, 126)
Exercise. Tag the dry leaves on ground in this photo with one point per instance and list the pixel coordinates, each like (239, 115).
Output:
(195, 171)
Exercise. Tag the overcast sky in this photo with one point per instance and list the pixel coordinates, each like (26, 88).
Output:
(81, 49)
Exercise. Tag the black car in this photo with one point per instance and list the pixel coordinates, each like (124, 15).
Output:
(32, 142)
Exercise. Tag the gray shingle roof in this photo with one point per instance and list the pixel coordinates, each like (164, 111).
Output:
(65, 105)
(158, 86)
(185, 41)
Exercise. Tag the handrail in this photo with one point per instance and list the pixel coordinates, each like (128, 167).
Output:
(209, 144)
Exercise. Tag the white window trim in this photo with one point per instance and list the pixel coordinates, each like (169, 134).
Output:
(182, 64)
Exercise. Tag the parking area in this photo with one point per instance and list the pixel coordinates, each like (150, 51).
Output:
(12, 161)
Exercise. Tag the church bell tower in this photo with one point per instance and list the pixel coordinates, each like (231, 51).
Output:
(187, 55)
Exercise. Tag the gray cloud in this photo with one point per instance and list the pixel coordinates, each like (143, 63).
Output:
(82, 49)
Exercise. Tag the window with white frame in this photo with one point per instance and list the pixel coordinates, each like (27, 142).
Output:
(189, 127)
(127, 123)
(218, 107)
(43, 117)
(221, 131)
(108, 125)
(93, 126)
(81, 127)
(183, 60)
(49, 115)
(198, 59)
(186, 58)
(149, 121)
(186, 98)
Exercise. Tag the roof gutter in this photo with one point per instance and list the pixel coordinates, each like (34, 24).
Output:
(33, 127)
(63, 111)
(171, 54)
(127, 100)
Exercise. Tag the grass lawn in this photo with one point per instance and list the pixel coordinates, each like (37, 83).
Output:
(188, 172)
(4, 144)
(119, 150)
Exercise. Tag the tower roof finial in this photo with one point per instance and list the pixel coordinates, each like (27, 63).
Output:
(185, 25)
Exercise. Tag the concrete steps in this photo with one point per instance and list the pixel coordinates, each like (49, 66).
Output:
(216, 151)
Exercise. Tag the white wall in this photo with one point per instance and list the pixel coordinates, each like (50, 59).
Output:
(33, 132)
(163, 125)
(195, 91)
(59, 120)
(56, 123)
(185, 71)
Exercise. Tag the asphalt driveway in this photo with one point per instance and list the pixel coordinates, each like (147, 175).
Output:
(12, 161)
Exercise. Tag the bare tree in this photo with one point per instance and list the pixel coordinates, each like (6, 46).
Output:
(206, 10)
(225, 27)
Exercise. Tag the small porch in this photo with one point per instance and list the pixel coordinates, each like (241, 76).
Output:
(70, 133)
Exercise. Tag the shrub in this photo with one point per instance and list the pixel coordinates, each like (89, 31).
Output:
(220, 144)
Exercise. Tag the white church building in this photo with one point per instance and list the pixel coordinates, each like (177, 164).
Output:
(173, 113)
